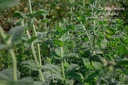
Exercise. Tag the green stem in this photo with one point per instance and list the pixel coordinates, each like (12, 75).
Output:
(35, 58)
(14, 61)
(71, 9)
(39, 64)
(45, 25)
(38, 46)
(35, 33)
(14, 64)
(98, 82)
(94, 27)
(2, 33)
(62, 63)
(34, 54)
(83, 3)
(30, 6)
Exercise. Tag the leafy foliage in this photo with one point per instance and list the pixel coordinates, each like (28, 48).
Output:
(70, 44)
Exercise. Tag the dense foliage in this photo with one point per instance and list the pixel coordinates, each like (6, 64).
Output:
(62, 42)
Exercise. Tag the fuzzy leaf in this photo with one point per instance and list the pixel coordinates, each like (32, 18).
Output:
(52, 68)
(16, 33)
(7, 74)
(30, 64)
(71, 69)
(77, 76)
(71, 55)
(24, 81)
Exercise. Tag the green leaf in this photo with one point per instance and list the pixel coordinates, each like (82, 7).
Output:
(59, 29)
(59, 43)
(24, 81)
(72, 27)
(70, 70)
(30, 64)
(122, 63)
(3, 46)
(8, 3)
(41, 12)
(122, 51)
(92, 1)
(48, 76)
(65, 38)
(16, 33)
(104, 43)
(20, 15)
(78, 76)
(56, 53)
(31, 40)
(126, 41)
(70, 82)
(7, 74)
(37, 83)
(71, 55)
(97, 65)
(87, 63)
(97, 51)
(91, 77)
(63, 32)
(52, 68)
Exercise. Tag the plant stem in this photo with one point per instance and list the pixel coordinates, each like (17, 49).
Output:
(14, 64)
(62, 63)
(94, 26)
(71, 9)
(14, 61)
(30, 6)
(37, 60)
(34, 29)
(2, 33)
(37, 63)
(83, 3)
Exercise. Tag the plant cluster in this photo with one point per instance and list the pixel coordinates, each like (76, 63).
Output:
(79, 45)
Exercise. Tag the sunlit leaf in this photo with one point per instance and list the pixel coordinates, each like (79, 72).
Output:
(58, 42)
(122, 51)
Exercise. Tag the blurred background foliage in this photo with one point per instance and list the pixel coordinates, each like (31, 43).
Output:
(58, 9)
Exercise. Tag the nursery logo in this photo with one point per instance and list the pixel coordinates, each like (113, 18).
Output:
(112, 11)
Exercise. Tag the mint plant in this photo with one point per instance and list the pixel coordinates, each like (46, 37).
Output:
(75, 45)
